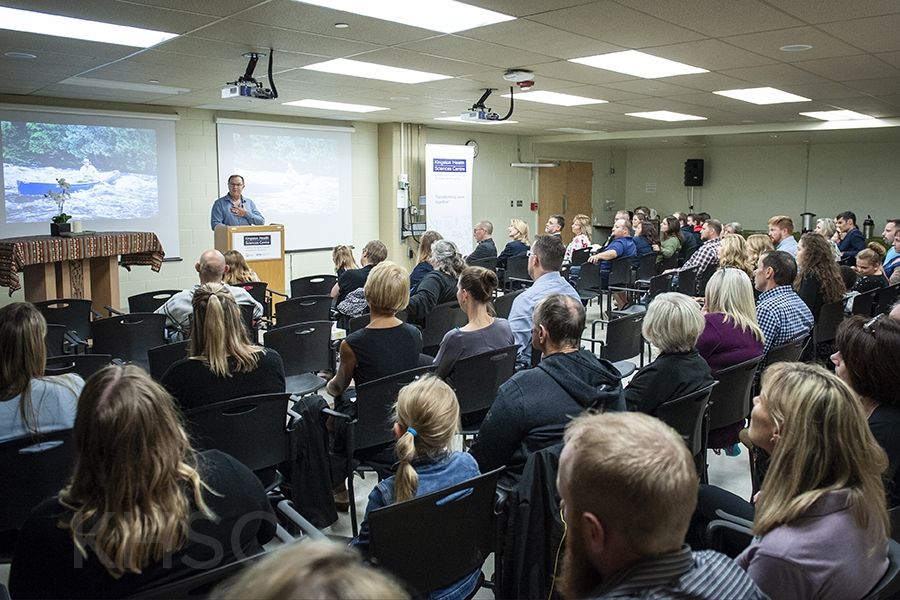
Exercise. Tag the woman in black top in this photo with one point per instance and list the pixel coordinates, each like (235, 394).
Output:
(819, 280)
(142, 506)
(424, 267)
(222, 363)
(439, 285)
(870, 270)
(518, 244)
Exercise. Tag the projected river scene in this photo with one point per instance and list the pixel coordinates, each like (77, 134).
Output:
(112, 171)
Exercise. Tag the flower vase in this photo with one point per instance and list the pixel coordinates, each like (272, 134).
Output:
(58, 229)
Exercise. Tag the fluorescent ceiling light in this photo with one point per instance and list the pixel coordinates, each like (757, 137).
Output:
(836, 115)
(81, 29)
(446, 16)
(109, 84)
(326, 105)
(555, 98)
(665, 115)
(485, 122)
(762, 95)
(574, 130)
(356, 68)
(639, 64)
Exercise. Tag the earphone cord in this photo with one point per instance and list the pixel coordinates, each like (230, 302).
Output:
(558, 551)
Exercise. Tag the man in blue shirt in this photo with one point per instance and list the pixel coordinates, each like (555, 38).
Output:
(544, 261)
(891, 228)
(233, 209)
(782, 315)
(849, 238)
(621, 245)
(781, 232)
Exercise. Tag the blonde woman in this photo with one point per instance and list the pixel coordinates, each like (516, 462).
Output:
(733, 252)
(581, 229)
(237, 270)
(757, 245)
(142, 506)
(424, 266)
(221, 362)
(826, 228)
(29, 402)
(343, 259)
(518, 244)
(426, 419)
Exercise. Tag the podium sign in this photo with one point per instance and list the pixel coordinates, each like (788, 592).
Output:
(257, 246)
(261, 245)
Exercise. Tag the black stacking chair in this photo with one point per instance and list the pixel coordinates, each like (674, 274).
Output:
(687, 281)
(305, 349)
(476, 380)
(74, 313)
(259, 290)
(149, 301)
(830, 316)
(55, 340)
(129, 337)
(689, 416)
(704, 277)
(357, 323)
(660, 284)
(589, 285)
(489, 262)
(439, 321)
(303, 309)
(516, 274)
(580, 256)
(162, 357)
(84, 365)
(503, 304)
(863, 304)
(885, 298)
(623, 338)
(312, 285)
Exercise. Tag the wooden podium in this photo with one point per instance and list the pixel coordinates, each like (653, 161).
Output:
(261, 245)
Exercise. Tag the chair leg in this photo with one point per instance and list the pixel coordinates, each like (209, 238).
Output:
(351, 494)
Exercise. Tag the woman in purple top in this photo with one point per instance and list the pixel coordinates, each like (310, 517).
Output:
(821, 523)
(483, 332)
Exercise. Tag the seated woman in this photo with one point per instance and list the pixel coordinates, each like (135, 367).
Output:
(221, 363)
(646, 239)
(673, 323)
(342, 257)
(733, 253)
(581, 229)
(819, 280)
(426, 419)
(826, 228)
(29, 402)
(757, 244)
(823, 485)
(672, 238)
(869, 269)
(423, 267)
(142, 506)
(867, 358)
(518, 244)
(237, 270)
(439, 285)
(483, 332)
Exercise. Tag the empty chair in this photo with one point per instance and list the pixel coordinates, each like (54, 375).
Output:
(74, 313)
(162, 357)
(580, 256)
(438, 322)
(55, 340)
(476, 380)
(503, 304)
(129, 337)
(303, 309)
(305, 349)
(489, 262)
(589, 284)
(149, 301)
(84, 365)
(623, 338)
(659, 284)
(516, 274)
(687, 281)
(312, 285)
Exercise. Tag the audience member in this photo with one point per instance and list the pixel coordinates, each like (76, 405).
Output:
(733, 227)
(29, 402)
(342, 257)
(483, 332)
(895, 311)
(426, 419)
(544, 263)
(323, 570)
(485, 247)
(758, 244)
(581, 229)
(706, 255)
(890, 267)
(733, 253)
(689, 242)
(825, 227)
(211, 268)
(673, 323)
(628, 487)
(439, 284)
(672, 238)
(870, 270)
(643, 211)
(646, 238)
(781, 231)
(554, 225)
(621, 245)
(142, 506)
(518, 244)
(373, 253)
(891, 229)
(424, 266)
(221, 363)
(781, 313)
(237, 270)
(533, 407)
(636, 220)
(818, 279)
(849, 238)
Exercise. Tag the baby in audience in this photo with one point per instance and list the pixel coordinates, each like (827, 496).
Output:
(426, 418)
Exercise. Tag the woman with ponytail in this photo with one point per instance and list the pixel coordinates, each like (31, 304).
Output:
(483, 332)
(426, 418)
(221, 363)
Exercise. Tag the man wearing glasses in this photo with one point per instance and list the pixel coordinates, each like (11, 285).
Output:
(233, 208)
(485, 248)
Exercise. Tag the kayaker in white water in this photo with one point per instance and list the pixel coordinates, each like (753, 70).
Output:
(88, 171)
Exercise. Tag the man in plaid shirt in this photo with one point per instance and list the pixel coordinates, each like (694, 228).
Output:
(708, 253)
(781, 314)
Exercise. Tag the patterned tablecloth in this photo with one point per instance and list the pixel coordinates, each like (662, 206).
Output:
(135, 248)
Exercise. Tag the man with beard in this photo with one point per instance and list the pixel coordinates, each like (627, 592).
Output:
(629, 486)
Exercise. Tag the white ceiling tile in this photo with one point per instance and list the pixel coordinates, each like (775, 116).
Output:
(768, 43)
(824, 11)
(711, 55)
(476, 51)
(874, 34)
(773, 75)
(846, 68)
(529, 35)
(716, 18)
(118, 13)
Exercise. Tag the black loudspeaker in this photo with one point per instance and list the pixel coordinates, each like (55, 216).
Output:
(693, 172)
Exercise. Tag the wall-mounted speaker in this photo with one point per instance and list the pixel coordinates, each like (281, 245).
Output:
(693, 172)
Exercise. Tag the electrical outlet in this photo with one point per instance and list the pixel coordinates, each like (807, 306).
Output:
(512, 203)
(519, 203)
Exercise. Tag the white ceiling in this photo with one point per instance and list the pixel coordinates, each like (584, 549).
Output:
(854, 63)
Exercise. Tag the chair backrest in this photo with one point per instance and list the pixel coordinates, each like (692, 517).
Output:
(517, 267)
(32, 469)
(149, 301)
(55, 340)
(304, 347)
(864, 303)
(434, 540)
(686, 415)
(687, 281)
(647, 266)
(660, 284)
(74, 313)
(303, 309)
(162, 357)
(669, 263)
(251, 429)
(621, 271)
(129, 337)
(704, 277)
(830, 316)
(360, 322)
(789, 352)
(198, 584)
(477, 378)
(580, 256)
(886, 297)
(247, 320)
(889, 584)
(374, 402)
(589, 281)
(729, 401)
(623, 338)
(312, 285)
(488, 262)
(84, 365)
(256, 289)
(503, 304)
(439, 321)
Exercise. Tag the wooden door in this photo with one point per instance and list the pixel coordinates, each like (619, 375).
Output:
(551, 197)
(566, 190)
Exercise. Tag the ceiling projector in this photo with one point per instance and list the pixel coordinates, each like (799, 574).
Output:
(246, 86)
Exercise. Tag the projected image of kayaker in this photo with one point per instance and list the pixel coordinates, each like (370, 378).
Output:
(88, 171)
(234, 208)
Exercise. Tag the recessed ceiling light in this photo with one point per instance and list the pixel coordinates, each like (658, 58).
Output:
(21, 55)
(796, 48)
(356, 68)
(153, 81)
(446, 16)
(128, 86)
(399, 98)
(28, 21)
(556, 98)
(341, 25)
(592, 122)
(639, 64)
(573, 130)
(459, 120)
(836, 115)
(665, 115)
(341, 106)
(762, 95)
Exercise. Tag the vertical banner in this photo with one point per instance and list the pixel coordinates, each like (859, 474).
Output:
(448, 187)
